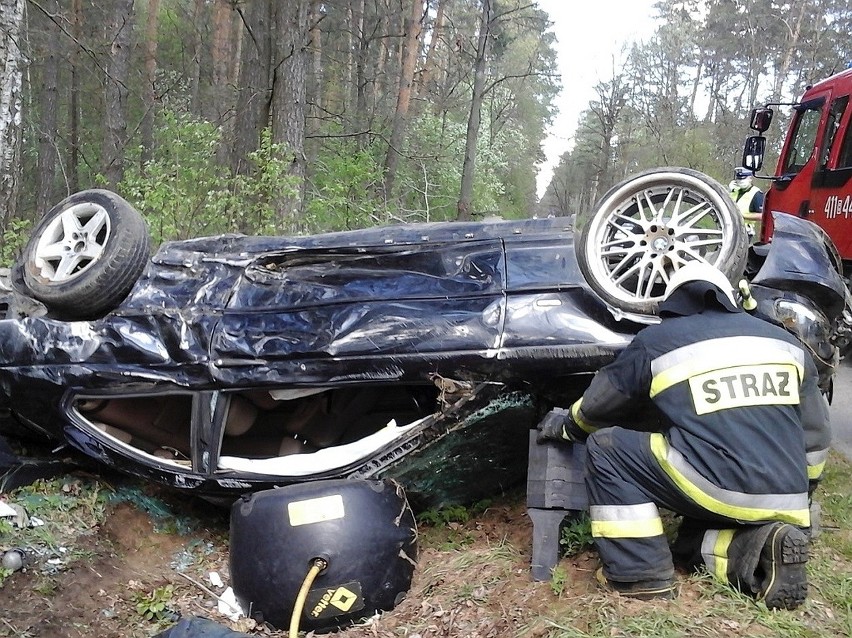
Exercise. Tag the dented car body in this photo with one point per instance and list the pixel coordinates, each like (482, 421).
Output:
(418, 352)
(240, 362)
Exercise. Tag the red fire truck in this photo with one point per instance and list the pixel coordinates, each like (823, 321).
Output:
(813, 178)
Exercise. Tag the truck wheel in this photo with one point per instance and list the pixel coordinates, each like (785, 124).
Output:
(85, 255)
(651, 224)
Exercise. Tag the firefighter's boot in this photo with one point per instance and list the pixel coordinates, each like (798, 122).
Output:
(641, 590)
(769, 562)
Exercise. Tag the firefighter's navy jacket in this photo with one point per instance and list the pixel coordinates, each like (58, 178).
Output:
(740, 407)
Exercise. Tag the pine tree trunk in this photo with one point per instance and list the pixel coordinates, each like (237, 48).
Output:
(290, 63)
(435, 40)
(148, 93)
(73, 102)
(253, 95)
(120, 33)
(315, 88)
(47, 127)
(195, 63)
(411, 48)
(222, 53)
(783, 69)
(469, 167)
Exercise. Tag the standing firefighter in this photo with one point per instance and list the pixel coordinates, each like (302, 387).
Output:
(744, 434)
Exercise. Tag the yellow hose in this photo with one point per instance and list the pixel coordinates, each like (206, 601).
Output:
(318, 565)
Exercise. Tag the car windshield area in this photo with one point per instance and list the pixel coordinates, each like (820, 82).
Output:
(802, 141)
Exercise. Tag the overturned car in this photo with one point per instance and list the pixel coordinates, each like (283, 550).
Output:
(425, 353)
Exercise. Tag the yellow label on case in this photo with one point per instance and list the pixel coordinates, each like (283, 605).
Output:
(315, 510)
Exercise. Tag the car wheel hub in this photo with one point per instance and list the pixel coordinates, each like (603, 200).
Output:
(660, 238)
(72, 242)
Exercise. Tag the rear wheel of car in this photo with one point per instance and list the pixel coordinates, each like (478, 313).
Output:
(646, 227)
(85, 255)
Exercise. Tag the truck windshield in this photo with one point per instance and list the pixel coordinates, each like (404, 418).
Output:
(802, 141)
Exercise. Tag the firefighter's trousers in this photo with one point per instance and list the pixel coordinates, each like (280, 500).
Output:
(625, 485)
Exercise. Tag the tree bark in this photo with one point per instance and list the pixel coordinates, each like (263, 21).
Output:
(195, 64)
(315, 88)
(253, 94)
(292, 34)
(222, 53)
(73, 105)
(473, 121)
(11, 75)
(359, 85)
(382, 83)
(435, 41)
(414, 27)
(47, 127)
(120, 32)
(149, 97)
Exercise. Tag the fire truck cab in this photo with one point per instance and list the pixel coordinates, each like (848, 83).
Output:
(813, 178)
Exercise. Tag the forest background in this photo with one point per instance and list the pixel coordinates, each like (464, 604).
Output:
(265, 116)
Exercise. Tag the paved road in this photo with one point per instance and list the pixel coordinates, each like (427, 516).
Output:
(841, 409)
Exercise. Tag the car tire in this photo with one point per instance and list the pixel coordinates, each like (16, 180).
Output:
(84, 256)
(649, 225)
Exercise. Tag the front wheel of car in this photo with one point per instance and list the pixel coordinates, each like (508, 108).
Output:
(646, 227)
(84, 256)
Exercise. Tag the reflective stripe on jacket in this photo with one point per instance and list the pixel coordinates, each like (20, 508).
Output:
(744, 199)
(731, 390)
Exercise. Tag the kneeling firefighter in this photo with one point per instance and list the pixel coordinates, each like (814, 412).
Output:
(743, 438)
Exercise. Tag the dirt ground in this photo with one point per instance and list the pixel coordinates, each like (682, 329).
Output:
(472, 579)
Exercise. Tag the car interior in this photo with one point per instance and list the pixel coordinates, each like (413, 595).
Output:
(263, 424)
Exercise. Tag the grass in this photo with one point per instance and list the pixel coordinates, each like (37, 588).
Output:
(576, 535)
(706, 607)
(473, 569)
(66, 510)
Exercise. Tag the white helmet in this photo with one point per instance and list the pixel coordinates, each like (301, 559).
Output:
(700, 271)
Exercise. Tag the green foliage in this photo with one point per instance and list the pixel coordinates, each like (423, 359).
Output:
(428, 183)
(449, 524)
(46, 586)
(444, 516)
(4, 574)
(452, 513)
(155, 605)
(834, 494)
(15, 236)
(345, 183)
(249, 201)
(184, 192)
(65, 507)
(176, 190)
(558, 580)
(576, 536)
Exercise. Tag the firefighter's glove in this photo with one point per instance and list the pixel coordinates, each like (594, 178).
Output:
(555, 426)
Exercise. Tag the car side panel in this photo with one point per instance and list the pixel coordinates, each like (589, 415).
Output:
(376, 307)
